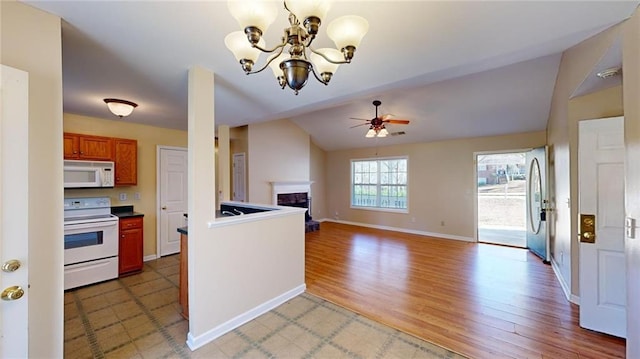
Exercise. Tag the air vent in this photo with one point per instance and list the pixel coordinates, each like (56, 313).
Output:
(399, 133)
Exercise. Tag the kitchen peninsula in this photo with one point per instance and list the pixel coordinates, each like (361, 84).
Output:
(254, 262)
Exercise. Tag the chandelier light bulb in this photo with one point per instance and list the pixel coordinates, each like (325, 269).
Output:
(347, 31)
(237, 43)
(304, 9)
(323, 66)
(253, 13)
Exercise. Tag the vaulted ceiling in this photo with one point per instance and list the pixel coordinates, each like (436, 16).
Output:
(455, 69)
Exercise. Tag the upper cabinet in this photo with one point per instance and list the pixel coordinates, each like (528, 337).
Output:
(126, 160)
(86, 147)
(123, 152)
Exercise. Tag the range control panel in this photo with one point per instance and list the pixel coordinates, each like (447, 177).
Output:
(86, 203)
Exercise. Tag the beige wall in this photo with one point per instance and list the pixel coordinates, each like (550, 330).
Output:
(441, 183)
(278, 151)
(317, 176)
(575, 66)
(148, 138)
(31, 41)
(631, 89)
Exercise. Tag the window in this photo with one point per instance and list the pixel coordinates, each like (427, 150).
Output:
(379, 183)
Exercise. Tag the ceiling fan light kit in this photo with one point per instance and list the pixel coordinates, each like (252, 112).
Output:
(293, 69)
(120, 108)
(377, 126)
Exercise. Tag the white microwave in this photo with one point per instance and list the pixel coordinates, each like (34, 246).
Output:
(88, 174)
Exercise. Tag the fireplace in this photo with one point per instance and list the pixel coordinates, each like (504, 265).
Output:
(300, 199)
(295, 194)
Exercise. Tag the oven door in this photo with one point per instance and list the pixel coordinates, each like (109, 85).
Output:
(89, 241)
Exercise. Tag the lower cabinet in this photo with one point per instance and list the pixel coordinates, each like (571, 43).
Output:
(130, 246)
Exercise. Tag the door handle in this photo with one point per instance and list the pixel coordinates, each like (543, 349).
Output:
(587, 228)
(11, 265)
(12, 293)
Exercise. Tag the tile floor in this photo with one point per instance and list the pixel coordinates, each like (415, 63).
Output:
(139, 317)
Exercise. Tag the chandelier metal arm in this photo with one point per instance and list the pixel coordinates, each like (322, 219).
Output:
(346, 61)
(279, 46)
(313, 70)
(269, 61)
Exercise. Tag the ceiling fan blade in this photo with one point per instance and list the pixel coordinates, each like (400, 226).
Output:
(362, 124)
(363, 119)
(398, 122)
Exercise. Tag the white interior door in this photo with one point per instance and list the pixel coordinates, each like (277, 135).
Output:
(14, 199)
(537, 203)
(239, 177)
(172, 201)
(601, 194)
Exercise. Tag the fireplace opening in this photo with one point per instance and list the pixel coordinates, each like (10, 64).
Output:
(300, 200)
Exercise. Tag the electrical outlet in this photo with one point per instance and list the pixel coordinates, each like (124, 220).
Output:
(123, 196)
(413, 219)
(136, 196)
(336, 215)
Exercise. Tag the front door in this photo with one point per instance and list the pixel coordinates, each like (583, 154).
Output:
(14, 212)
(172, 179)
(601, 224)
(537, 203)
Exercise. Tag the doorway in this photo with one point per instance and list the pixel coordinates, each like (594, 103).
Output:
(501, 198)
(172, 197)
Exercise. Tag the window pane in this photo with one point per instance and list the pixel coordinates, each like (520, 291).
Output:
(379, 183)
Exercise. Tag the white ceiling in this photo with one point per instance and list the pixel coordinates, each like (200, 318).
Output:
(453, 68)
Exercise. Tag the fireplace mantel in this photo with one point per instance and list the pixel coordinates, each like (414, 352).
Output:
(289, 187)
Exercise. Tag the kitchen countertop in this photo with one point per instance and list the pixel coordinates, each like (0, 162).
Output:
(125, 212)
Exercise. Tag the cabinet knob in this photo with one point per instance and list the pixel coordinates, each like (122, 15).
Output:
(122, 235)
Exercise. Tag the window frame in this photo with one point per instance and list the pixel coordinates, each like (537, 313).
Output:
(381, 209)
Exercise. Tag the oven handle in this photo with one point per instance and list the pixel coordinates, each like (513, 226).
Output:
(91, 225)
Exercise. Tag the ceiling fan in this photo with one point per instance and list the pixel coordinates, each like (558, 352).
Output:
(377, 124)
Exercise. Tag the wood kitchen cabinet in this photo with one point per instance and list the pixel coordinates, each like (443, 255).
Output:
(87, 147)
(126, 162)
(183, 293)
(130, 250)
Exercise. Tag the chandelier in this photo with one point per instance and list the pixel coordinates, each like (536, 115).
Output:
(292, 68)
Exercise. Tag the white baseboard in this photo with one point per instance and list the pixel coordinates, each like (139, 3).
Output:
(196, 342)
(149, 258)
(563, 283)
(403, 230)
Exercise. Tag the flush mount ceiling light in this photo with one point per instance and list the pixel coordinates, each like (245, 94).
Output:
(292, 68)
(120, 108)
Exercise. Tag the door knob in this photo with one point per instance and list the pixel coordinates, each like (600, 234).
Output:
(164, 207)
(11, 265)
(12, 293)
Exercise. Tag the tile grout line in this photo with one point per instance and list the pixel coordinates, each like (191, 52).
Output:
(91, 334)
(161, 329)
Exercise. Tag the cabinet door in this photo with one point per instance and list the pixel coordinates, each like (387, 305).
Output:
(71, 146)
(126, 160)
(130, 251)
(96, 148)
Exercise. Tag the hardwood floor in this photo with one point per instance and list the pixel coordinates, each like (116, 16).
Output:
(481, 300)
